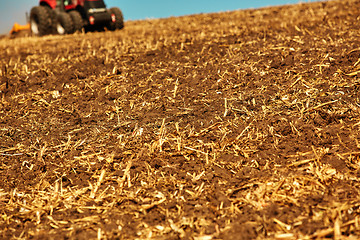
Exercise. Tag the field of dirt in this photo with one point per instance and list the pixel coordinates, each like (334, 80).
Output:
(235, 125)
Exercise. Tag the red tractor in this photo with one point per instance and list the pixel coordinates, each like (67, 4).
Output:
(69, 16)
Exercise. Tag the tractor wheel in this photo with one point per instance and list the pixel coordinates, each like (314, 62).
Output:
(77, 21)
(53, 21)
(64, 23)
(40, 22)
(119, 19)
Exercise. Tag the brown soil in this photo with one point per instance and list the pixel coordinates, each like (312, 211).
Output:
(237, 125)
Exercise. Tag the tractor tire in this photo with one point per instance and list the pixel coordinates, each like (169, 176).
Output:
(53, 20)
(77, 21)
(119, 19)
(40, 22)
(64, 24)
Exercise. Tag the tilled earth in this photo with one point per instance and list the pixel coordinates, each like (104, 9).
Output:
(236, 125)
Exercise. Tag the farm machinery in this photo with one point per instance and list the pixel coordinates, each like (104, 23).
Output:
(17, 29)
(69, 16)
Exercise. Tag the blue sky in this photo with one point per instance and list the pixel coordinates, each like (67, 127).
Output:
(14, 11)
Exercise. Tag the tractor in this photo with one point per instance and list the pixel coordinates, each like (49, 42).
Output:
(69, 16)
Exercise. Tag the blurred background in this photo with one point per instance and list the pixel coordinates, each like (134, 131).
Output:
(15, 11)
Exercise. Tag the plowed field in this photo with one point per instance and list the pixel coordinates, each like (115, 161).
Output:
(235, 125)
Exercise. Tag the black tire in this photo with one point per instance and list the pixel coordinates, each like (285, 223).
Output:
(53, 20)
(119, 19)
(76, 20)
(40, 22)
(64, 24)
